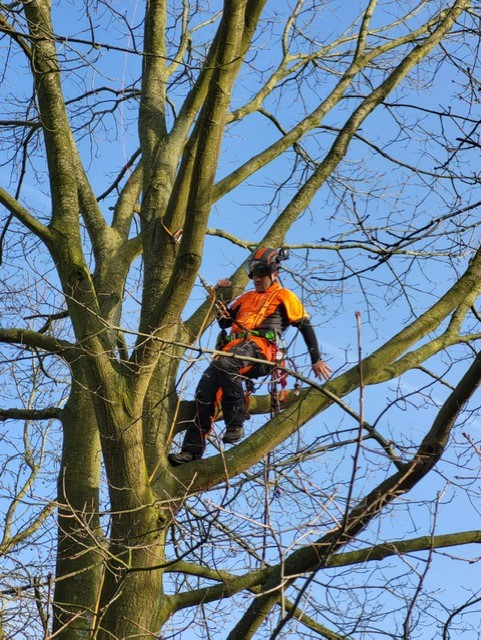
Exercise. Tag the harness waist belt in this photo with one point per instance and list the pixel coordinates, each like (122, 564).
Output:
(268, 334)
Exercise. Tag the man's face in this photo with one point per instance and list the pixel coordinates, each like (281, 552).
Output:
(263, 282)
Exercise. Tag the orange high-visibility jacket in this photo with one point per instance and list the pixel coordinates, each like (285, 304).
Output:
(274, 309)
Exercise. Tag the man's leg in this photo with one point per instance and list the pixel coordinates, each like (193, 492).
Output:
(223, 373)
(234, 406)
(193, 445)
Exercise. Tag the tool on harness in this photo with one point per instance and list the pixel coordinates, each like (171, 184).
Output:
(278, 381)
(278, 392)
(277, 385)
(278, 378)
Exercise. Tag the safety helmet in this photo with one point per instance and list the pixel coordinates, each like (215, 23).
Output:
(265, 261)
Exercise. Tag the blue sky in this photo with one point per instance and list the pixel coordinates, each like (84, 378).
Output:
(395, 198)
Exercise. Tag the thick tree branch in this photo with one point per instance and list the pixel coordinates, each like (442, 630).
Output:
(232, 584)
(48, 413)
(312, 120)
(208, 134)
(383, 364)
(230, 587)
(22, 215)
(9, 542)
(313, 557)
(28, 338)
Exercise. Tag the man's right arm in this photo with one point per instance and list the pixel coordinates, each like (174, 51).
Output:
(225, 315)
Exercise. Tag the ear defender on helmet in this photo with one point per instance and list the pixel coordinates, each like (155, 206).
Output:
(265, 261)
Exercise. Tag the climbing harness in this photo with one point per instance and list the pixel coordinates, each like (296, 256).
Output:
(278, 380)
(268, 334)
(278, 383)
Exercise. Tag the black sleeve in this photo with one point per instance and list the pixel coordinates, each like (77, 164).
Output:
(307, 331)
(226, 322)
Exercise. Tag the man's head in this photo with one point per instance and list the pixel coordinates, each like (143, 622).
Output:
(263, 267)
(263, 282)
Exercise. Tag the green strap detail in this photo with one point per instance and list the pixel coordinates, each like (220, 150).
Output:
(268, 335)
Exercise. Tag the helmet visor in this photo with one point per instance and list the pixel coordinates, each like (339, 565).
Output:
(258, 268)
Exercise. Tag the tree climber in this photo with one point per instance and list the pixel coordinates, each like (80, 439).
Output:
(257, 320)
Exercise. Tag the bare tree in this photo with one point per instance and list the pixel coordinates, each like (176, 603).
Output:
(132, 147)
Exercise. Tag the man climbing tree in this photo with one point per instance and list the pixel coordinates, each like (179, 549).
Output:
(257, 321)
(348, 136)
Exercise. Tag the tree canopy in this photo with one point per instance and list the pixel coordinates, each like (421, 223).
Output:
(146, 150)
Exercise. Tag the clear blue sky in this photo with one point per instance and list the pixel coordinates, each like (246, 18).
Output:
(334, 313)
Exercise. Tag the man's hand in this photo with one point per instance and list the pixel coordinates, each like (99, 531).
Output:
(322, 370)
(223, 282)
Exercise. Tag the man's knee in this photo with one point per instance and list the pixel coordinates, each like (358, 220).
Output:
(208, 384)
(226, 366)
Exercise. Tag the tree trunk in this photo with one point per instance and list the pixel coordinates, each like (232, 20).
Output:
(79, 533)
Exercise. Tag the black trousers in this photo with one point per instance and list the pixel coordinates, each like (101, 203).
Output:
(223, 373)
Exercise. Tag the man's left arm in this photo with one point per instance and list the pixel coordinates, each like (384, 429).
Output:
(321, 369)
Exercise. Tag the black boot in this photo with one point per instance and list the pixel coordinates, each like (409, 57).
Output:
(183, 457)
(233, 434)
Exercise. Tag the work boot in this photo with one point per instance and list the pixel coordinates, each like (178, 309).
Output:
(183, 457)
(233, 434)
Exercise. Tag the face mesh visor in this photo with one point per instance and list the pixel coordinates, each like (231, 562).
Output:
(255, 268)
